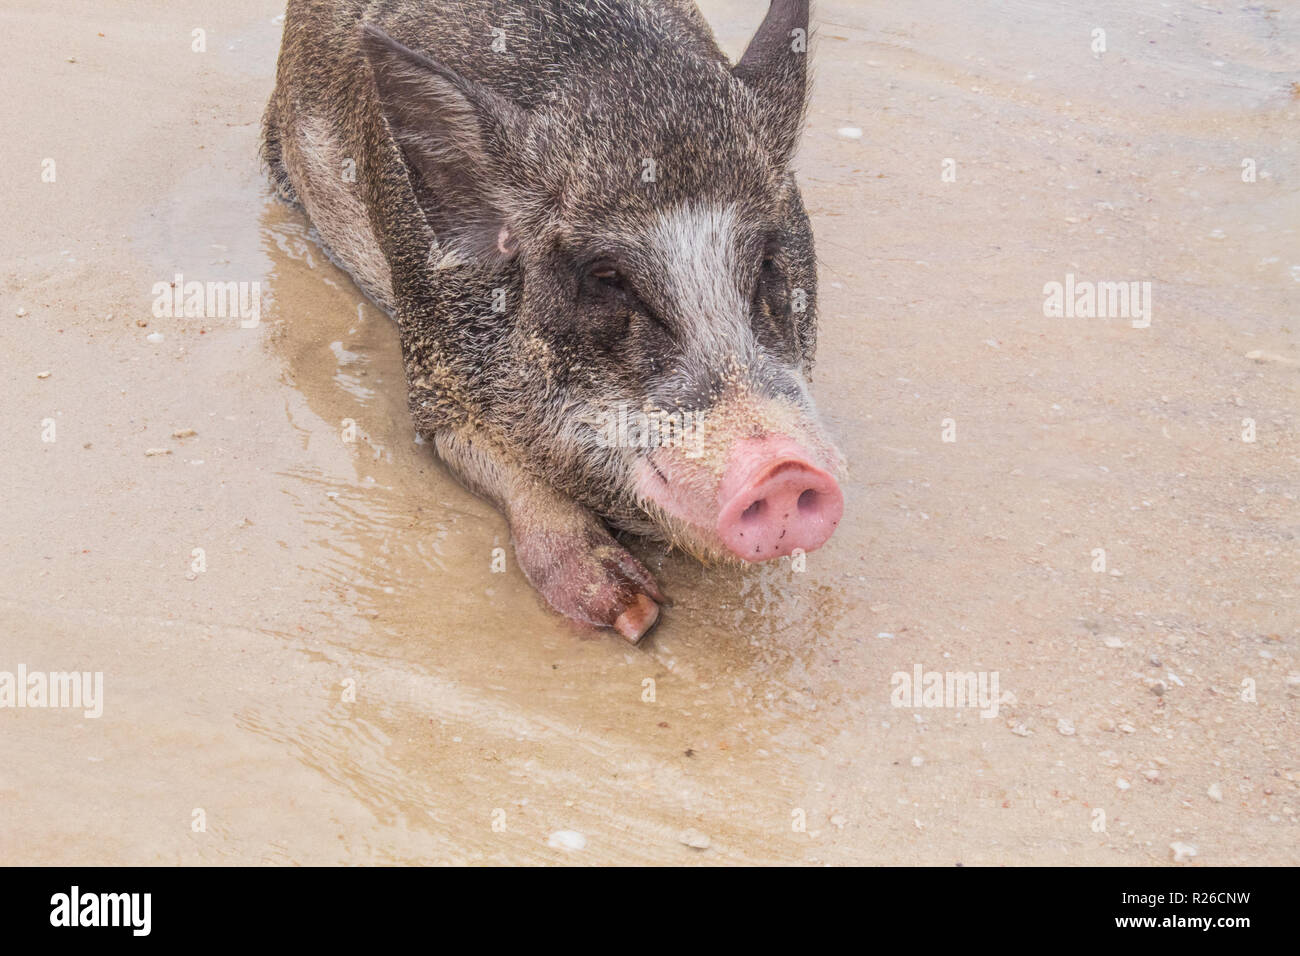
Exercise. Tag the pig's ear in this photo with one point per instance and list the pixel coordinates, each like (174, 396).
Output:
(453, 133)
(775, 67)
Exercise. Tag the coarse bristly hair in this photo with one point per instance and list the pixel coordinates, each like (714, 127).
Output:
(570, 207)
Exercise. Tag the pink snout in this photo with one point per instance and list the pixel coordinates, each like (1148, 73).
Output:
(773, 500)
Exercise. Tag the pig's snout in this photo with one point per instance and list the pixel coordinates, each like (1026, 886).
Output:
(772, 500)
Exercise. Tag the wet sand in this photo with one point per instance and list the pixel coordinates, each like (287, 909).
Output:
(483, 724)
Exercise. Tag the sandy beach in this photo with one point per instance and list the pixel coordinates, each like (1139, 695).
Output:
(307, 658)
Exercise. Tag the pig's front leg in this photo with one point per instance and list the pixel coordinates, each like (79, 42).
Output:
(564, 550)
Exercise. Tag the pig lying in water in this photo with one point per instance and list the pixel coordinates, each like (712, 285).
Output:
(581, 215)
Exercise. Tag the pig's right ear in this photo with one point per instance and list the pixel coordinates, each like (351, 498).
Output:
(452, 133)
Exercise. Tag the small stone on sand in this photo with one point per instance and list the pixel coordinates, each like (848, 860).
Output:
(42, 374)
(1183, 852)
(150, 452)
(184, 433)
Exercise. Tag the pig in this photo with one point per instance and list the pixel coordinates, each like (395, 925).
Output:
(583, 219)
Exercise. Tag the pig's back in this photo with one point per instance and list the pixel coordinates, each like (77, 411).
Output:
(547, 44)
(323, 115)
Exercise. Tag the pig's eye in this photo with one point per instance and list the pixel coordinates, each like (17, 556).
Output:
(770, 279)
(606, 274)
(608, 283)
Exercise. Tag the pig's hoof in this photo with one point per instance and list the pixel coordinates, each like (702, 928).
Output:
(591, 579)
(636, 621)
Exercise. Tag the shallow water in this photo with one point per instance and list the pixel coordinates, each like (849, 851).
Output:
(348, 681)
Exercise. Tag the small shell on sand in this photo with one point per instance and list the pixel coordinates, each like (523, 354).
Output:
(1259, 355)
(184, 433)
(150, 452)
(694, 838)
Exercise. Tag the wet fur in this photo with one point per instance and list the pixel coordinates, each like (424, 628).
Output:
(584, 92)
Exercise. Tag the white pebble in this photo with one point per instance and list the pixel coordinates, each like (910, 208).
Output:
(1122, 783)
(1215, 793)
(850, 132)
(1065, 727)
(567, 840)
(1182, 851)
(154, 337)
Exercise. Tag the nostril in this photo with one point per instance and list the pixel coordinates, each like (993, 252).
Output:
(810, 501)
(773, 501)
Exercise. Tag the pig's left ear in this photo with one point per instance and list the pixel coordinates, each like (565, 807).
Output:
(455, 135)
(775, 68)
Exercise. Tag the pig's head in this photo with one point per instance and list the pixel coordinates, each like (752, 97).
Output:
(656, 366)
